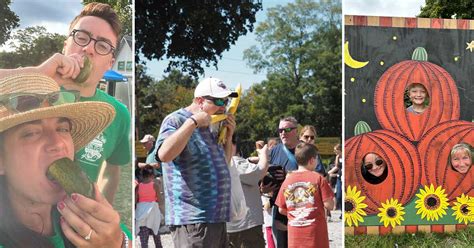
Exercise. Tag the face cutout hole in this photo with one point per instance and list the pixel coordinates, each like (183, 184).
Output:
(416, 98)
(374, 168)
(460, 158)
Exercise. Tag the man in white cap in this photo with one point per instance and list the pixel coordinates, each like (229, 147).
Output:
(148, 141)
(195, 173)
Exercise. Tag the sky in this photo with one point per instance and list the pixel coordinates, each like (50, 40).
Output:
(232, 68)
(400, 8)
(55, 15)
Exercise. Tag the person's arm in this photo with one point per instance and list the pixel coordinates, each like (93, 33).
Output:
(263, 158)
(329, 204)
(230, 125)
(333, 171)
(284, 212)
(157, 187)
(110, 181)
(173, 145)
(59, 67)
(327, 195)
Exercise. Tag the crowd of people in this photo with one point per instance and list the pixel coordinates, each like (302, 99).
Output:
(282, 196)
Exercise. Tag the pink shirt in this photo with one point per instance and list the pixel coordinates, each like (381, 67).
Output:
(146, 192)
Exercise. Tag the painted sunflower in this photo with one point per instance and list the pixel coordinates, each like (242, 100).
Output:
(391, 213)
(462, 209)
(432, 203)
(354, 206)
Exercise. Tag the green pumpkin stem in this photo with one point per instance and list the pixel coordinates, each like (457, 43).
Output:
(420, 54)
(362, 127)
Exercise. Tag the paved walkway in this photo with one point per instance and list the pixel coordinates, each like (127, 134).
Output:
(335, 228)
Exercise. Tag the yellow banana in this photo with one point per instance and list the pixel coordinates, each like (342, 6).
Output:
(231, 110)
(217, 118)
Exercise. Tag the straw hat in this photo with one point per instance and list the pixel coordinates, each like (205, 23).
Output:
(88, 119)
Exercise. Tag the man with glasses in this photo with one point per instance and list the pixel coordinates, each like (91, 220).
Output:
(283, 155)
(195, 168)
(93, 33)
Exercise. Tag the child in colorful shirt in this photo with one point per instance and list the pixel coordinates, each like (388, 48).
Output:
(303, 197)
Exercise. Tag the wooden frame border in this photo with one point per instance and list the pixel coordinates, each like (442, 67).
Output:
(408, 22)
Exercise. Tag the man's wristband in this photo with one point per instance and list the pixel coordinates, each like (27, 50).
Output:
(194, 120)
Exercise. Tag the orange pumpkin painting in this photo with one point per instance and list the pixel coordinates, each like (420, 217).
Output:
(389, 96)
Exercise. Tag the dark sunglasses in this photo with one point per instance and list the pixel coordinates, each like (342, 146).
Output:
(308, 137)
(22, 102)
(287, 130)
(219, 102)
(369, 166)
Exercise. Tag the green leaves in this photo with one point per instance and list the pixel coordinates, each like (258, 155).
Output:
(458, 9)
(156, 99)
(31, 46)
(189, 34)
(300, 49)
(8, 21)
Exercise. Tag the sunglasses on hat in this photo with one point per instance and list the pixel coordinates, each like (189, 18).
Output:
(219, 102)
(22, 102)
(287, 130)
(369, 166)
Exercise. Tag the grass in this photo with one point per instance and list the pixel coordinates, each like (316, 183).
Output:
(123, 199)
(463, 238)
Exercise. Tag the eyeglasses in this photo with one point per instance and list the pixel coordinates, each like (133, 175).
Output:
(287, 130)
(369, 166)
(308, 137)
(219, 102)
(22, 102)
(83, 38)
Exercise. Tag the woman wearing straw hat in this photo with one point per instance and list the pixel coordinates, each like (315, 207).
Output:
(40, 124)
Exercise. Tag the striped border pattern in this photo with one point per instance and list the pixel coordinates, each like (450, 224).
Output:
(381, 230)
(407, 22)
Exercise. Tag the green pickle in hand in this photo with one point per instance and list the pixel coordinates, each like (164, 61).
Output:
(71, 177)
(85, 71)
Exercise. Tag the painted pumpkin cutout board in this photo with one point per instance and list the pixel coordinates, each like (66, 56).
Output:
(409, 112)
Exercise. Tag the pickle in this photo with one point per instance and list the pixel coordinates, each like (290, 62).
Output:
(71, 177)
(85, 71)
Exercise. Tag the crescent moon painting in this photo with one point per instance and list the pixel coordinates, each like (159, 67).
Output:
(351, 62)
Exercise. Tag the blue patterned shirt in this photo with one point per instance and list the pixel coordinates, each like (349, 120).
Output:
(197, 181)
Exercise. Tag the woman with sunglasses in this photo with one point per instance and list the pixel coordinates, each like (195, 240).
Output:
(40, 124)
(308, 134)
(374, 169)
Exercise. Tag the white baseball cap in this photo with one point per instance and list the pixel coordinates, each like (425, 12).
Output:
(213, 87)
(147, 138)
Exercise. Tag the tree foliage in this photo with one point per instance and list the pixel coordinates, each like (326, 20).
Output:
(124, 11)
(157, 99)
(8, 20)
(189, 33)
(459, 9)
(300, 49)
(31, 46)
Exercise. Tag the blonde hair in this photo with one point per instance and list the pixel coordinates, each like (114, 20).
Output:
(310, 128)
(461, 147)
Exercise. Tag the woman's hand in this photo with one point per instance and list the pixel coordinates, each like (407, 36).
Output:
(90, 222)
